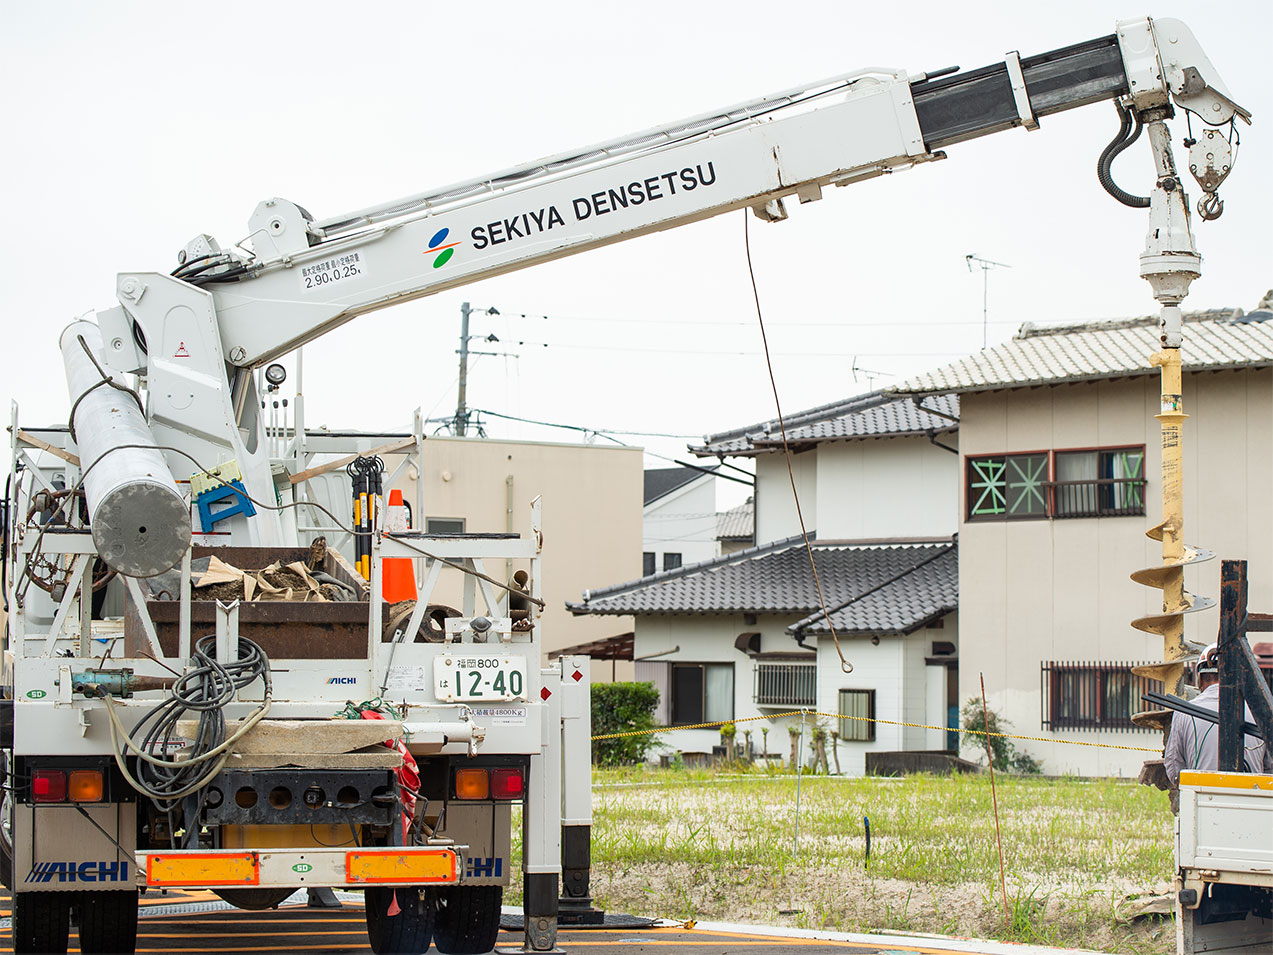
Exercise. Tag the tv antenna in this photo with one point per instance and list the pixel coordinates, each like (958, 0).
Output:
(985, 265)
(869, 373)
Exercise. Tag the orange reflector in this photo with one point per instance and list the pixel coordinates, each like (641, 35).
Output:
(203, 868)
(85, 786)
(394, 865)
(472, 784)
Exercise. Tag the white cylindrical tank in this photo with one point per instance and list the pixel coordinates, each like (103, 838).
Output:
(139, 519)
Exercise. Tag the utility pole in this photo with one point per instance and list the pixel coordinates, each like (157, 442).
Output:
(461, 408)
(986, 266)
(461, 413)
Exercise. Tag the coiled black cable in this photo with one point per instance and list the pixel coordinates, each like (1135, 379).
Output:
(205, 689)
(1106, 161)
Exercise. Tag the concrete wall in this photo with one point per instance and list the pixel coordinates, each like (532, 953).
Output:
(859, 490)
(895, 487)
(775, 510)
(682, 522)
(1059, 589)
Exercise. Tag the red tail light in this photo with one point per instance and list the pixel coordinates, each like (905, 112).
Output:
(507, 784)
(48, 785)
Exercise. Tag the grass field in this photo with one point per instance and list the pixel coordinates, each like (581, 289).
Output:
(694, 844)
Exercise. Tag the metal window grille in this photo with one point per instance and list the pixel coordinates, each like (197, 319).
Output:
(785, 684)
(1093, 696)
(857, 711)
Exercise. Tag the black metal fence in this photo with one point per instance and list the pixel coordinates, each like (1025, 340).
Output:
(1093, 696)
(785, 684)
(1099, 497)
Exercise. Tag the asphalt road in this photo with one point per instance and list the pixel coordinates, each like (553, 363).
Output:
(295, 928)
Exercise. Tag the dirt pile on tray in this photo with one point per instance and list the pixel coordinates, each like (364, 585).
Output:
(225, 582)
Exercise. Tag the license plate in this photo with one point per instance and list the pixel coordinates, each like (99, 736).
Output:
(467, 678)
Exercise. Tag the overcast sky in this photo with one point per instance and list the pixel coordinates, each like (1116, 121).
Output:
(132, 127)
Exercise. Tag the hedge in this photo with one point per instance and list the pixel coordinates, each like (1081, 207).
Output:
(620, 708)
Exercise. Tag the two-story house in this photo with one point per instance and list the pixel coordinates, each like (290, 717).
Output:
(744, 634)
(1058, 482)
(678, 518)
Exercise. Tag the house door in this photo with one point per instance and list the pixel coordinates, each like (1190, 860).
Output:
(952, 708)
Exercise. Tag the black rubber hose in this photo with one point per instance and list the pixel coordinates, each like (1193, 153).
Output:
(1120, 142)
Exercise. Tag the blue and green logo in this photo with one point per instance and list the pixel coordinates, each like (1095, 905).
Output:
(443, 248)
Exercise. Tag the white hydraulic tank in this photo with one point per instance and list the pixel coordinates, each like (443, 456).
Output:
(139, 519)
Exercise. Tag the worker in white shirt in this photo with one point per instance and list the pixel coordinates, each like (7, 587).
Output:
(1194, 742)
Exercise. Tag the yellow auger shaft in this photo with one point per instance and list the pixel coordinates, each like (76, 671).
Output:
(1171, 417)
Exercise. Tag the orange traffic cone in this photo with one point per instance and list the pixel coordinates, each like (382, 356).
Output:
(398, 575)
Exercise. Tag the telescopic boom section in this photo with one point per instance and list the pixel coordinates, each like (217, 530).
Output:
(308, 277)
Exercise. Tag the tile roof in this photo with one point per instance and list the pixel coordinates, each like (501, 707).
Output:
(879, 588)
(659, 482)
(737, 523)
(1213, 340)
(923, 593)
(873, 415)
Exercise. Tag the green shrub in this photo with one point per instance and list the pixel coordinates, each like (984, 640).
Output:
(1006, 757)
(622, 708)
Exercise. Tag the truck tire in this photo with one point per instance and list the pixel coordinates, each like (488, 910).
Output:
(41, 922)
(108, 922)
(406, 933)
(467, 919)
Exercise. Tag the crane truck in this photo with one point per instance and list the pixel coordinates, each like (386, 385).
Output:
(156, 739)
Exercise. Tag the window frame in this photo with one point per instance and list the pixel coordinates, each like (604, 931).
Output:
(673, 665)
(649, 563)
(1076, 695)
(430, 531)
(857, 725)
(970, 461)
(973, 497)
(1099, 451)
(677, 556)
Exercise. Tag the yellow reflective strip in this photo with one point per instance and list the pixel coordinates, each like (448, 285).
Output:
(203, 868)
(1194, 777)
(388, 865)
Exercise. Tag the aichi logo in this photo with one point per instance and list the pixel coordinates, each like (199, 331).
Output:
(342, 680)
(443, 248)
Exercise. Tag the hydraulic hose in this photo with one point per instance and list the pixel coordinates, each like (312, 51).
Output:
(1120, 142)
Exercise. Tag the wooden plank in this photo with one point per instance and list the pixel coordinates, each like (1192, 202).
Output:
(341, 462)
(33, 441)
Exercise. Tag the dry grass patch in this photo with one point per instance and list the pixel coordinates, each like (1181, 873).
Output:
(684, 844)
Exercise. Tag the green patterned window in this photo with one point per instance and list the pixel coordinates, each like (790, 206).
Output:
(1008, 487)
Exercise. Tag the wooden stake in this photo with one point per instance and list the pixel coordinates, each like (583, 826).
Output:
(985, 715)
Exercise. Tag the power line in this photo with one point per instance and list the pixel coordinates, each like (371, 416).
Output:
(722, 324)
(604, 432)
(715, 353)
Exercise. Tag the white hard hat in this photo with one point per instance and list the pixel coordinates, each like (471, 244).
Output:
(1209, 661)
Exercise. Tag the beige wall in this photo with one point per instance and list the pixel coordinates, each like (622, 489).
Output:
(1059, 589)
(591, 518)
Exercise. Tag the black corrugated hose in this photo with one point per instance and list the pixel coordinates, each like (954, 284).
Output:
(1120, 142)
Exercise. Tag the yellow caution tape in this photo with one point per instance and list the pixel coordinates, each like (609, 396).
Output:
(868, 719)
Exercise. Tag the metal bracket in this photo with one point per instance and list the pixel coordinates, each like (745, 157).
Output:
(1019, 94)
(227, 632)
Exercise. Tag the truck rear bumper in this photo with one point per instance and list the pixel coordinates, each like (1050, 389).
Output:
(335, 867)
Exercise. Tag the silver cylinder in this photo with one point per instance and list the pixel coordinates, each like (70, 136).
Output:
(139, 519)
